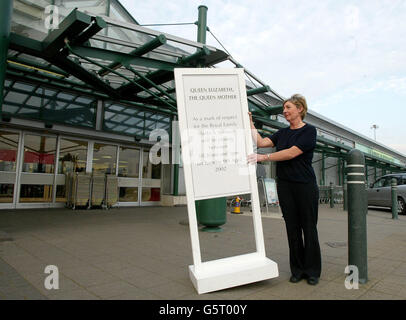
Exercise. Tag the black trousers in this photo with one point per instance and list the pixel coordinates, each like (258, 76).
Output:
(299, 204)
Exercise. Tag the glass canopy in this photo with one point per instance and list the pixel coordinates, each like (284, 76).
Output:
(99, 52)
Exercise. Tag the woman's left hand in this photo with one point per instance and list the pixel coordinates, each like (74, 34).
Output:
(254, 158)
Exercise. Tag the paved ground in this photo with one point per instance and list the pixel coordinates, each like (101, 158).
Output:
(143, 253)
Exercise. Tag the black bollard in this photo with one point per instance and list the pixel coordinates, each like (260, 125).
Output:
(394, 199)
(357, 211)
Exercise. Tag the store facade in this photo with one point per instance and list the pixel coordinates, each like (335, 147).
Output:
(87, 90)
(34, 167)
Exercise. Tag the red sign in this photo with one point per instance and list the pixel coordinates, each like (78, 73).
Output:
(8, 155)
(36, 157)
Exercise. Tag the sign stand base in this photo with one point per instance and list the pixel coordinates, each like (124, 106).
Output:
(230, 272)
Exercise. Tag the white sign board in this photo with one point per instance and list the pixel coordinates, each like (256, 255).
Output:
(216, 139)
(214, 118)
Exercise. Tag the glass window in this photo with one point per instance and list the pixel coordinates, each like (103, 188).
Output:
(16, 97)
(61, 193)
(46, 104)
(383, 182)
(72, 156)
(387, 182)
(151, 194)
(104, 158)
(97, 7)
(6, 193)
(128, 164)
(8, 151)
(35, 193)
(399, 180)
(118, 13)
(378, 183)
(39, 154)
(128, 194)
(149, 170)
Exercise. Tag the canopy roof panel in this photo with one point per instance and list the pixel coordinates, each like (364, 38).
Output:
(105, 58)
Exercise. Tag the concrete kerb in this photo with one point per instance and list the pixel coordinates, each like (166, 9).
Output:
(143, 253)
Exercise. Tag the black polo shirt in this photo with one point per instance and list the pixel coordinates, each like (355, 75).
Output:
(298, 169)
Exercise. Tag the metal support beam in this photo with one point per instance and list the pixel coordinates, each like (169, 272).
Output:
(151, 32)
(52, 83)
(366, 174)
(145, 48)
(6, 11)
(96, 25)
(120, 75)
(192, 59)
(58, 84)
(140, 76)
(258, 90)
(342, 171)
(269, 122)
(84, 75)
(161, 76)
(36, 48)
(71, 27)
(323, 170)
(275, 110)
(123, 58)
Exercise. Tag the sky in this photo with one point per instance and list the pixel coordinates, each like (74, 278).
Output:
(348, 58)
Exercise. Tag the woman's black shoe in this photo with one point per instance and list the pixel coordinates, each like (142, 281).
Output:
(313, 281)
(295, 279)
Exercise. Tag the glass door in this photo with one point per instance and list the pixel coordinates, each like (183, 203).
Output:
(72, 158)
(38, 170)
(129, 176)
(151, 181)
(8, 167)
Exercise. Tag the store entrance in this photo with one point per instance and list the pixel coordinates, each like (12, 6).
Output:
(139, 180)
(35, 168)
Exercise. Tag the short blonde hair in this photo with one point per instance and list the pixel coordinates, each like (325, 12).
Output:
(299, 101)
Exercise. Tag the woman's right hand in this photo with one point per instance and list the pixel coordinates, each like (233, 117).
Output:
(252, 124)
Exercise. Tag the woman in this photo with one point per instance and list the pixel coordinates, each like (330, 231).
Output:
(297, 187)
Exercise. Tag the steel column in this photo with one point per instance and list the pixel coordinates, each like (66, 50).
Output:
(6, 11)
(202, 24)
(323, 170)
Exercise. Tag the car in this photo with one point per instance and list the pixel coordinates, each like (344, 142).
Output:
(380, 195)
